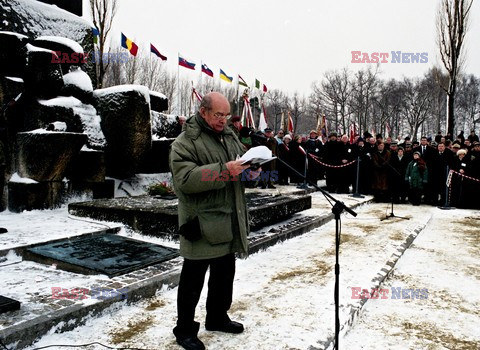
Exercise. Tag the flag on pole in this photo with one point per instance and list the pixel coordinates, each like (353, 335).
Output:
(154, 50)
(353, 131)
(260, 86)
(207, 70)
(129, 45)
(241, 81)
(96, 34)
(247, 116)
(185, 63)
(225, 77)
(262, 123)
(290, 122)
(389, 130)
(196, 94)
(282, 122)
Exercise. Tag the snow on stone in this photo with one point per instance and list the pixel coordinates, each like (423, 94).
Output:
(58, 126)
(123, 88)
(17, 178)
(88, 116)
(33, 48)
(20, 36)
(78, 78)
(49, 19)
(63, 101)
(16, 79)
(158, 94)
(73, 45)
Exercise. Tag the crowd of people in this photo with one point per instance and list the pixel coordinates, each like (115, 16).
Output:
(439, 171)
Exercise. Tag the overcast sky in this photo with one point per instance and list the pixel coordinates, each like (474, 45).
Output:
(288, 44)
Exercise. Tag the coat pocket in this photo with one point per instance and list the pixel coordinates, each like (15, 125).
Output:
(216, 226)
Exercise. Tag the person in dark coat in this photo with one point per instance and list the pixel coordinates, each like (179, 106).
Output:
(272, 144)
(333, 155)
(297, 159)
(381, 170)
(398, 187)
(473, 137)
(313, 146)
(284, 155)
(458, 190)
(427, 152)
(442, 161)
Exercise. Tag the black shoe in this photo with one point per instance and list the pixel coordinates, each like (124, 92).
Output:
(192, 343)
(270, 186)
(229, 327)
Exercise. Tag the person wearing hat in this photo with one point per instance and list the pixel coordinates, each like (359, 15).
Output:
(473, 137)
(272, 145)
(416, 176)
(313, 146)
(441, 163)
(399, 162)
(333, 154)
(235, 124)
(284, 155)
(459, 192)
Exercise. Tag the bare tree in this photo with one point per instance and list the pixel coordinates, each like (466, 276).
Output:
(452, 25)
(468, 102)
(364, 90)
(417, 103)
(102, 12)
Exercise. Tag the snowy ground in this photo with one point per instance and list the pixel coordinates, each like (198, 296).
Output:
(284, 295)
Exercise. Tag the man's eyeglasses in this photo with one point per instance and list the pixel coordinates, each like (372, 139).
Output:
(219, 116)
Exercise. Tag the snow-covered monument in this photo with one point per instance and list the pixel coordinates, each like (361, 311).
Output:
(61, 136)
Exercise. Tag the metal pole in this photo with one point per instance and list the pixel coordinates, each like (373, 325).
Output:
(446, 205)
(356, 194)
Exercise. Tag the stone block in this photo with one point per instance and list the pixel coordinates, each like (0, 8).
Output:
(158, 217)
(31, 196)
(44, 156)
(12, 58)
(158, 102)
(156, 160)
(43, 79)
(87, 166)
(125, 121)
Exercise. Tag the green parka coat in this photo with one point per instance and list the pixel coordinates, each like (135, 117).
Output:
(206, 190)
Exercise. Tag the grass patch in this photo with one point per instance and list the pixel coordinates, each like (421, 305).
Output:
(156, 304)
(429, 331)
(133, 329)
(310, 272)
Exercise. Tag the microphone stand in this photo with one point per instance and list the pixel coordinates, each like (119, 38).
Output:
(392, 215)
(337, 209)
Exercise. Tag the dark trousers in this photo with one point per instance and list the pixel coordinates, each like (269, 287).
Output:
(219, 298)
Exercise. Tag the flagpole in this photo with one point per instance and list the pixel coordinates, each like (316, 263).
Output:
(178, 85)
(238, 91)
(201, 68)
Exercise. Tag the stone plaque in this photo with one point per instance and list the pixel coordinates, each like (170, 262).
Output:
(107, 254)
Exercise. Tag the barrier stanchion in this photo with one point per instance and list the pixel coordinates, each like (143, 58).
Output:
(446, 204)
(356, 194)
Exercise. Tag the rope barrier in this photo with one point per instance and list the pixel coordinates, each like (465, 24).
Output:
(315, 158)
(462, 175)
